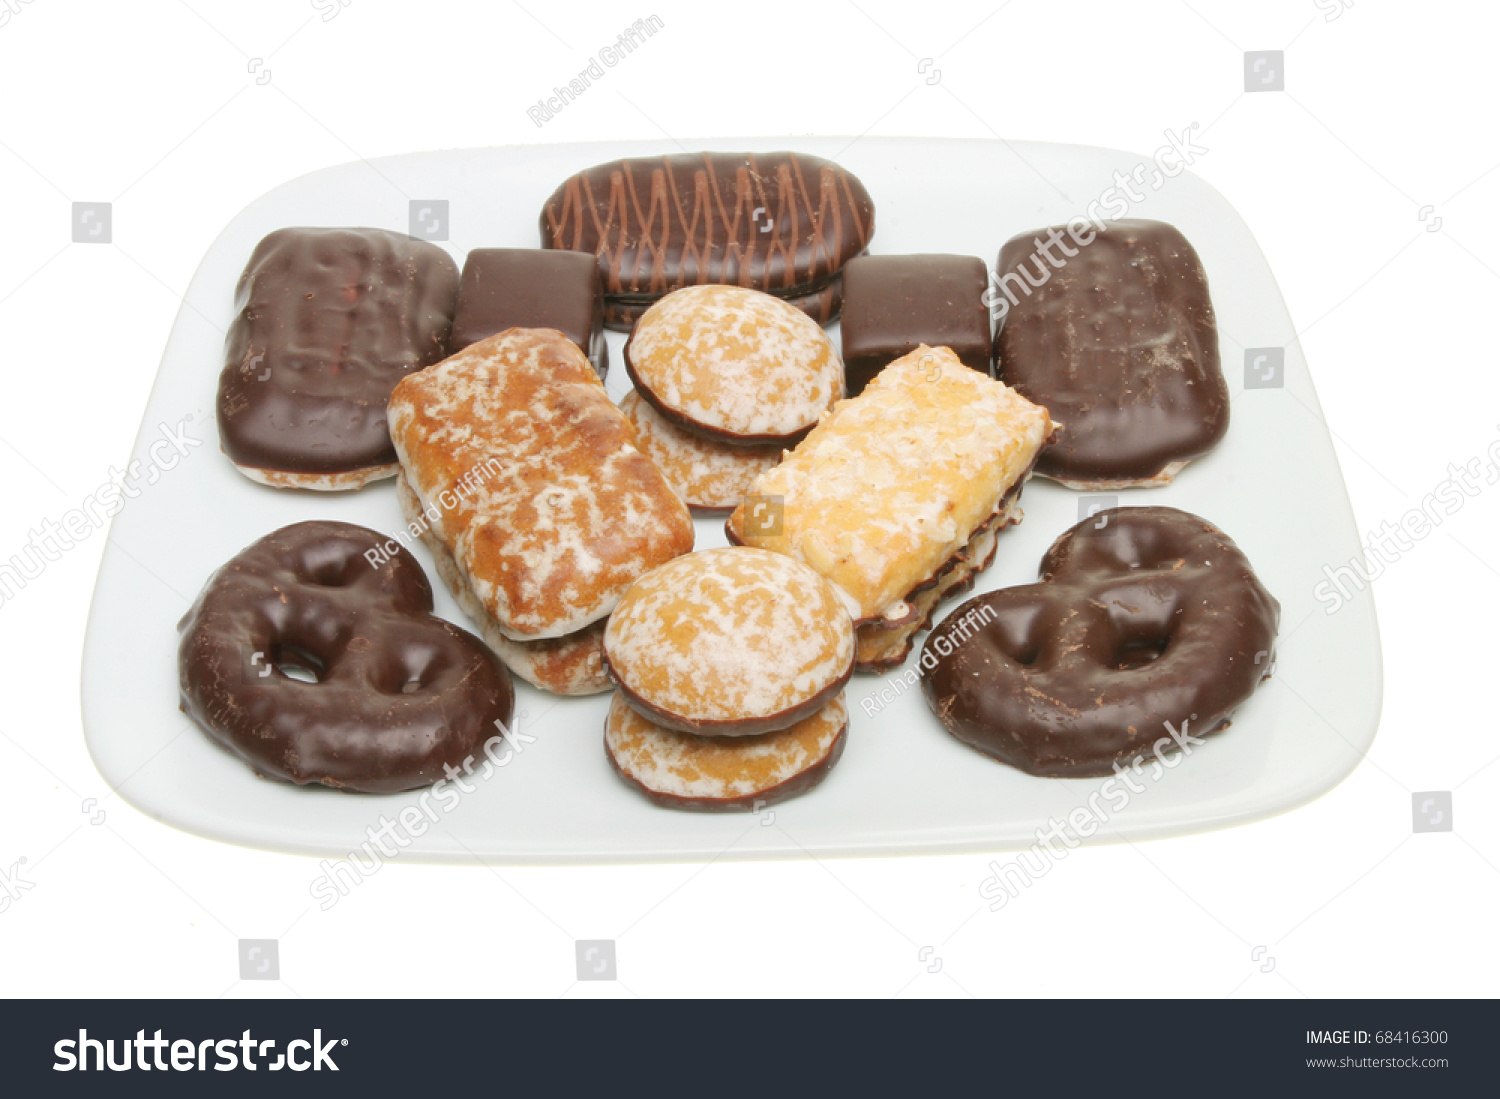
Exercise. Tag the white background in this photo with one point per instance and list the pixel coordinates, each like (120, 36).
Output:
(152, 106)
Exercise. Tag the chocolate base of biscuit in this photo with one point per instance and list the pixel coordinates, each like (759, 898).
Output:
(744, 726)
(879, 649)
(704, 431)
(1105, 484)
(793, 787)
(568, 665)
(340, 481)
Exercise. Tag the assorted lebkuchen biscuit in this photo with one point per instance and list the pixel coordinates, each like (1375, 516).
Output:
(1148, 628)
(504, 288)
(387, 694)
(560, 522)
(1120, 343)
(733, 662)
(730, 642)
(897, 495)
(519, 465)
(707, 474)
(782, 223)
(678, 770)
(568, 665)
(326, 322)
(734, 365)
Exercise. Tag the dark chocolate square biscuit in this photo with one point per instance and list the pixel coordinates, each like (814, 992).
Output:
(893, 304)
(1116, 337)
(531, 288)
(327, 321)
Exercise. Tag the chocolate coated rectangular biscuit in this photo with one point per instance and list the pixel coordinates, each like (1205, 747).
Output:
(531, 288)
(783, 223)
(1117, 338)
(327, 322)
(894, 304)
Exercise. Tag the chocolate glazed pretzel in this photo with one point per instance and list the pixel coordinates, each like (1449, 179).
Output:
(1145, 620)
(398, 691)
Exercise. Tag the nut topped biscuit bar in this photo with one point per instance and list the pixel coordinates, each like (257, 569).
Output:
(530, 476)
(885, 496)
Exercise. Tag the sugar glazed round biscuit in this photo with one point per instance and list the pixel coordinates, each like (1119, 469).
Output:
(708, 475)
(684, 771)
(731, 642)
(734, 364)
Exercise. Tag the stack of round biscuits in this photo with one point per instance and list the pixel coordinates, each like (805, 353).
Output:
(730, 666)
(725, 378)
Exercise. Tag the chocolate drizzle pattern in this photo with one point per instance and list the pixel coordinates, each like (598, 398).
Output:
(784, 223)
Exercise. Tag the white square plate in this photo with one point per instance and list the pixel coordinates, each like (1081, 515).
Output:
(903, 785)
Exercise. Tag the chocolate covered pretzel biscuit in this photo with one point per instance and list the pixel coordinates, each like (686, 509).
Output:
(388, 693)
(1145, 621)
